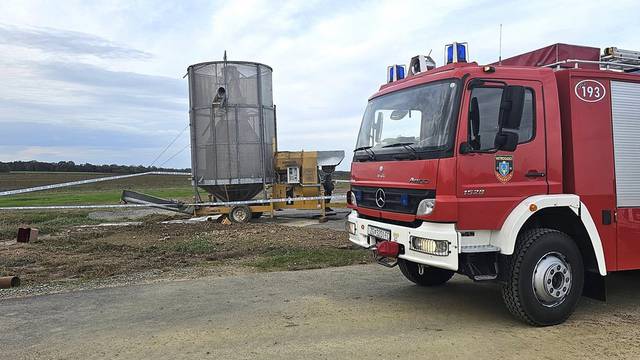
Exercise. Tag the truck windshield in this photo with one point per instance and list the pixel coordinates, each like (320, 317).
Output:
(420, 117)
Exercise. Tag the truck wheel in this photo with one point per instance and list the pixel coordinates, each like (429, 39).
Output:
(544, 277)
(430, 276)
(240, 214)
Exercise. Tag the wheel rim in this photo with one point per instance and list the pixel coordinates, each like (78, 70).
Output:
(552, 279)
(240, 215)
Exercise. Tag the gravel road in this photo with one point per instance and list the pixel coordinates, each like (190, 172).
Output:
(355, 312)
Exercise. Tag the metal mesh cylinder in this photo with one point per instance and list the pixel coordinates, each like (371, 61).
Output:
(233, 129)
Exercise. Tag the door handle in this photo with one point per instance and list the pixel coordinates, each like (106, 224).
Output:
(535, 174)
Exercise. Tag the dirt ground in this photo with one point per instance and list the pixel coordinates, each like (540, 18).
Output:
(351, 312)
(84, 249)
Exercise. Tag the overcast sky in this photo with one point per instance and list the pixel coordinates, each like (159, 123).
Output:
(101, 81)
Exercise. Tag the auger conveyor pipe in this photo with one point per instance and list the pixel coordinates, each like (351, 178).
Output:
(132, 197)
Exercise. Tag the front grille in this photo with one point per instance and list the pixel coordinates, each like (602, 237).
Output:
(396, 200)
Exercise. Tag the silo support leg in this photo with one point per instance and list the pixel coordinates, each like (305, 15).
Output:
(323, 209)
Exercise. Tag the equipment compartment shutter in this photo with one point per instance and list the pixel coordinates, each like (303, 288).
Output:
(625, 111)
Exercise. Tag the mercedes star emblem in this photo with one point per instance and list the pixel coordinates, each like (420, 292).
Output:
(380, 198)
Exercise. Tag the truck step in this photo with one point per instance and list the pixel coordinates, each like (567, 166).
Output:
(479, 248)
(485, 277)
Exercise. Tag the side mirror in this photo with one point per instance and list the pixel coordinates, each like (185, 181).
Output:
(506, 140)
(511, 106)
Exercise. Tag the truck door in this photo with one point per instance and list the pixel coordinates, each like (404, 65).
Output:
(491, 183)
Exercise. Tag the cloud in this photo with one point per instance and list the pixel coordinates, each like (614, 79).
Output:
(66, 42)
(87, 96)
(73, 70)
(57, 102)
(87, 74)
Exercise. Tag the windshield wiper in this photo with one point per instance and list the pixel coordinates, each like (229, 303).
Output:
(367, 149)
(406, 145)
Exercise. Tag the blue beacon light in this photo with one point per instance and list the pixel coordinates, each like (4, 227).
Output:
(395, 73)
(456, 52)
(404, 200)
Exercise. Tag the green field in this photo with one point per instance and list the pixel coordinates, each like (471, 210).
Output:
(108, 192)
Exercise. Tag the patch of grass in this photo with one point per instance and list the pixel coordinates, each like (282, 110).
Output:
(99, 247)
(300, 259)
(199, 244)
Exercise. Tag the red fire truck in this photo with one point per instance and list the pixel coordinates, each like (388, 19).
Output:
(525, 172)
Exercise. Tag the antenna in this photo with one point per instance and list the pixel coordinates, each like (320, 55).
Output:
(500, 47)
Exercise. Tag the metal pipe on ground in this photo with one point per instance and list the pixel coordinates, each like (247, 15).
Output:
(9, 282)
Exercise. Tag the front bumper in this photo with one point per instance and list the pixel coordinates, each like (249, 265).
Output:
(401, 234)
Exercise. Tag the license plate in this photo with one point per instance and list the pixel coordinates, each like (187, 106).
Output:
(379, 233)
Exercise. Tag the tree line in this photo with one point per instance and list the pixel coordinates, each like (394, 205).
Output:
(70, 166)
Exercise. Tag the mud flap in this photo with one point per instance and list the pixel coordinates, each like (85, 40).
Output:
(595, 286)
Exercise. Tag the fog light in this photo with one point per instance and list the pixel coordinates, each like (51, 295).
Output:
(351, 228)
(430, 246)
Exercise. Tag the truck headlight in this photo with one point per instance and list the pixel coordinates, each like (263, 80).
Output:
(351, 198)
(429, 246)
(426, 207)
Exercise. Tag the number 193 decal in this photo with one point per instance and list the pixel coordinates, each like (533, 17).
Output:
(590, 90)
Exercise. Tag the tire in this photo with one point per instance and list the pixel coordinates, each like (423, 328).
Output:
(535, 291)
(256, 215)
(240, 214)
(431, 276)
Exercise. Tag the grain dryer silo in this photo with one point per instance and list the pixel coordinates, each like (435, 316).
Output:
(234, 152)
(233, 128)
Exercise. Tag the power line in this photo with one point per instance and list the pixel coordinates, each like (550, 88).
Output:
(174, 155)
(168, 146)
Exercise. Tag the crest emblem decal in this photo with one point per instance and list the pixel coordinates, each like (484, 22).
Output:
(504, 168)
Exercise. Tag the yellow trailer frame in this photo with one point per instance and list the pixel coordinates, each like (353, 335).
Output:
(272, 207)
(305, 186)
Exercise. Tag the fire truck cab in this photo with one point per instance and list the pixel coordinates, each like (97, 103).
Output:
(524, 172)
